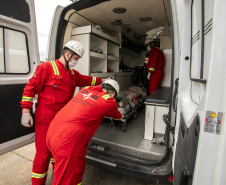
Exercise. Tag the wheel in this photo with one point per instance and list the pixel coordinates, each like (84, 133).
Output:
(123, 127)
(135, 115)
(112, 124)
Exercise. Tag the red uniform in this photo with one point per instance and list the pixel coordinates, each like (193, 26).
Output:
(71, 130)
(155, 67)
(55, 86)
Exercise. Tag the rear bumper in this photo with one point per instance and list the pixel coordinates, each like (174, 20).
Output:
(158, 173)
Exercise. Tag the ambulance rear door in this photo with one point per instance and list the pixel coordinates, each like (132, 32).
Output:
(200, 145)
(19, 57)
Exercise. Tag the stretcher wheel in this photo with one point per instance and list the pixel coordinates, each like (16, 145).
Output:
(135, 115)
(112, 124)
(123, 127)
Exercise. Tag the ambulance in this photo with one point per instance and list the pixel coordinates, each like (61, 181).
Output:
(185, 118)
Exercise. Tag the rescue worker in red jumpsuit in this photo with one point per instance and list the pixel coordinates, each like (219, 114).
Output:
(74, 125)
(155, 65)
(55, 84)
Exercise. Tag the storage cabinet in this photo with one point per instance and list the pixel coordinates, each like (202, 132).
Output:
(101, 51)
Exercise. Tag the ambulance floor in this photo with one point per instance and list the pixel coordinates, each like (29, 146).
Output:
(132, 137)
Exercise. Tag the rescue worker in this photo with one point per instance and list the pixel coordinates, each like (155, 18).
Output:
(55, 84)
(74, 125)
(155, 65)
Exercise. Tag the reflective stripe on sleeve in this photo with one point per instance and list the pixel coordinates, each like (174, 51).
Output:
(106, 96)
(55, 69)
(151, 69)
(26, 98)
(79, 183)
(52, 160)
(94, 81)
(38, 176)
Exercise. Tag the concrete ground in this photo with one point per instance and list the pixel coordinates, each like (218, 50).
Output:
(16, 167)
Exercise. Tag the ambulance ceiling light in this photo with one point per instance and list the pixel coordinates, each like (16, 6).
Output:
(119, 10)
(145, 19)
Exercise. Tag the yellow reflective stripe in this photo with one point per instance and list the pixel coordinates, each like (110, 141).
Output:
(94, 81)
(151, 69)
(52, 160)
(26, 98)
(106, 96)
(72, 72)
(158, 48)
(38, 176)
(79, 183)
(55, 69)
(86, 87)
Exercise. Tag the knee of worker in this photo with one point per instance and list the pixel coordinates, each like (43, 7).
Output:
(42, 157)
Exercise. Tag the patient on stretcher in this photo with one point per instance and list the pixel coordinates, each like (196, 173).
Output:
(131, 95)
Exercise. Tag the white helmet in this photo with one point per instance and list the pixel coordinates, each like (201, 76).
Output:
(148, 40)
(76, 47)
(113, 83)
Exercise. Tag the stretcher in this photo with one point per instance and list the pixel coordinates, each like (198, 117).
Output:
(128, 111)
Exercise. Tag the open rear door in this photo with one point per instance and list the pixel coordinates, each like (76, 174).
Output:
(200, 132)
(19, 57)
(51, 48)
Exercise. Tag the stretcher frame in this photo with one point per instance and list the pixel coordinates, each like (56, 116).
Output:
(132, 112)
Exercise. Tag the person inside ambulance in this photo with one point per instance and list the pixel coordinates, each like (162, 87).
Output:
(155, 65)
(55, 83)
(74, 125)
(129, 94)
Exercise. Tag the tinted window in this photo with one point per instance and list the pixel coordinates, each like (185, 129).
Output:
(16, 9)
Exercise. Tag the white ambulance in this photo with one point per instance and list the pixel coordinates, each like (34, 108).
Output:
(177, 132)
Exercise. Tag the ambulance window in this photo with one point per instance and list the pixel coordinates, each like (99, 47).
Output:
(16, 9)
(14, 52)
(196, 69)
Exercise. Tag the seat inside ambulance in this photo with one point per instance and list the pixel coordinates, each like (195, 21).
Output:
(113, 34)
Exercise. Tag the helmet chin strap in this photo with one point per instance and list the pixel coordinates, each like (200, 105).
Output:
(67, 61)
(109, 89)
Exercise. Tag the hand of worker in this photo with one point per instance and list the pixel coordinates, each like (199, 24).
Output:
(27, 120)
(149, 76)
(103, 80)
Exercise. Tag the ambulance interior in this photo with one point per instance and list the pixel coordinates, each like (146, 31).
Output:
(113, 34)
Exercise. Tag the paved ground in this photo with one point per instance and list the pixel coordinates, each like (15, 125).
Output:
(15, 169)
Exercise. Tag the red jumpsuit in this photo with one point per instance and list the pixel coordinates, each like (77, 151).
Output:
(72, 128)
(55, 86)
(155, 67)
